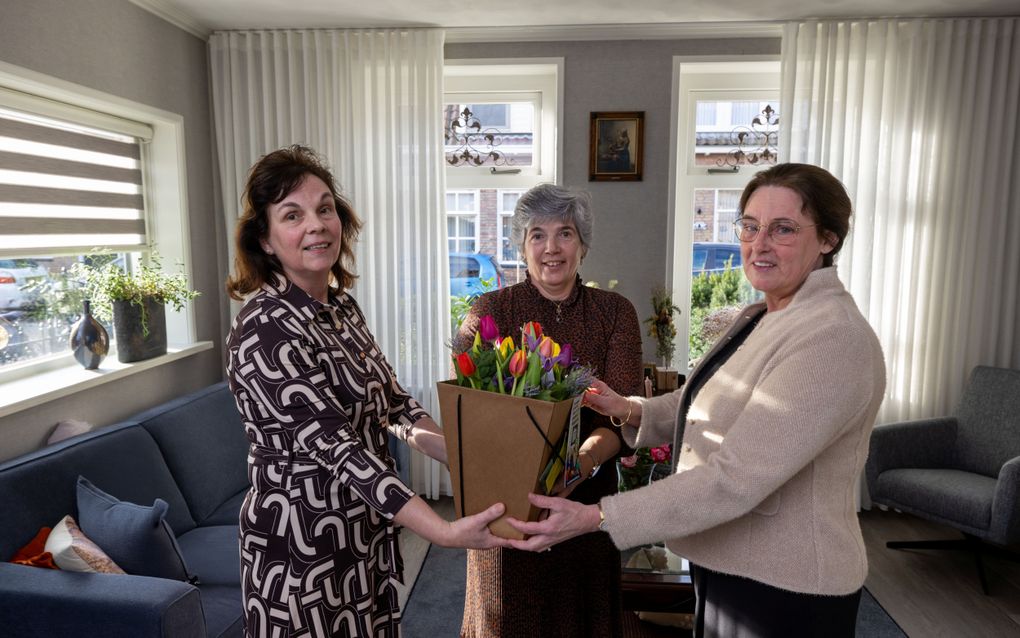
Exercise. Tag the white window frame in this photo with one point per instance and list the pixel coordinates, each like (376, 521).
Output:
(717, 208)
(694, 78)
(539, 80)
(476, 195)
(502, 214)
(165, 178)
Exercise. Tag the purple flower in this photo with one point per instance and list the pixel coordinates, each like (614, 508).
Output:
(565, 358)
(489, 329)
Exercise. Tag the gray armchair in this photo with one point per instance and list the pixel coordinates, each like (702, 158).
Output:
(962, 471)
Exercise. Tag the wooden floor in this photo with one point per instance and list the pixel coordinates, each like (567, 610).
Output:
(937, 593)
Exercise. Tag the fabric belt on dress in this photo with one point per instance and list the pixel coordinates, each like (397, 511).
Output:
(263, 455)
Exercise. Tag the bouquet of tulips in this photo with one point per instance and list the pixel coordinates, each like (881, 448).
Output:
(536, 367)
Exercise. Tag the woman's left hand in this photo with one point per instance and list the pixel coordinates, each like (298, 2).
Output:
(566, 519)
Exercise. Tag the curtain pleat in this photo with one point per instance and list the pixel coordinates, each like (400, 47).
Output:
(370, 101)
(919, 120)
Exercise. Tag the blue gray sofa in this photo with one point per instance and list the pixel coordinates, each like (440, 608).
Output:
(190, 452)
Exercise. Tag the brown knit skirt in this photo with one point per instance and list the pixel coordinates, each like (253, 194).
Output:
(570, 591)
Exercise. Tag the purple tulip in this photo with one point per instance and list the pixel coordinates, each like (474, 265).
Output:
(489, 329)
(565, 358)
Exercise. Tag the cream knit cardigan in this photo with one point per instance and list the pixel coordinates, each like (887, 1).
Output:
(772, 448)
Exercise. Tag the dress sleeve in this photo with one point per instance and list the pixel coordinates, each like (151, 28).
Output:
(278, 368)
(403, 407)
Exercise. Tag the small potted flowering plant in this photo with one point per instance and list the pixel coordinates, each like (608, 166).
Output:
(504, 417)
(647, 464)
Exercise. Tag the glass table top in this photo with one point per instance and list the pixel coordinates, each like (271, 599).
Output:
(655, 559)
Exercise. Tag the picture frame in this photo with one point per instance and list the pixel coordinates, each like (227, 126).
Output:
(617, 146)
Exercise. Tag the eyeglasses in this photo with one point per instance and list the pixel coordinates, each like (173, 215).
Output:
(781, 232)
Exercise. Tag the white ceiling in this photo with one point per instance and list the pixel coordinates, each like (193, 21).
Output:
(208, 15)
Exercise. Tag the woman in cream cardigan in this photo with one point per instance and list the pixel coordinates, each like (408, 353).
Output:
(770, 433)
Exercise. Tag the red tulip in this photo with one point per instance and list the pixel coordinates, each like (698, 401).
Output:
(546, 347)
(532, 332)
(518, 363)
(465, 364)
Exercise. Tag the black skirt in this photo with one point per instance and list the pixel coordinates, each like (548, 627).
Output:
(736, 607)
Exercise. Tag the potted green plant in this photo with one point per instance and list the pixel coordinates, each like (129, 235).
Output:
(660, 324)
(136, 301)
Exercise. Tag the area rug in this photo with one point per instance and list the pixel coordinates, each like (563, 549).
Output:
(435, 605)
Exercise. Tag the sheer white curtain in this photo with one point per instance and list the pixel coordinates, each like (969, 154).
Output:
(371, 102)
(919, 120)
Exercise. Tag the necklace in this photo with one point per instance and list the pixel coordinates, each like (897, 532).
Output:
(559, 311)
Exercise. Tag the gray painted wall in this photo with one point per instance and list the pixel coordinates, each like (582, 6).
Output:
(631, 239)
(118, 48)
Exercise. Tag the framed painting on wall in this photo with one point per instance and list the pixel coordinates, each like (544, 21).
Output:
(617, 144)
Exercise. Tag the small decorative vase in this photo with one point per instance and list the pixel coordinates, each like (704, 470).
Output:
(658, 471)
(630, 478)
(140, 329)
(89, 341)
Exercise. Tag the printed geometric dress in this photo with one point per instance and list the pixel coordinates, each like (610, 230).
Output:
(319, 554)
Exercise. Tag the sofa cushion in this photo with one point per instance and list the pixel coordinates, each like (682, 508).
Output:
(223, 611)
(204, 444)
(137, 537)
(216, 549)
(38, 488)
(34, 554)
(73, 551)
(229, 512)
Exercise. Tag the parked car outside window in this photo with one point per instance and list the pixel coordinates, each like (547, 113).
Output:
(14, 275)
(467, 270)
(710, 257)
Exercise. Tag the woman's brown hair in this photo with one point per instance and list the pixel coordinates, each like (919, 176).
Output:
(271, 179)
(825, 199)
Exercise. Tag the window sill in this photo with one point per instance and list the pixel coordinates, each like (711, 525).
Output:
(68, 378)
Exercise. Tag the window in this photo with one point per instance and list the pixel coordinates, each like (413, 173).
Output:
(500, 123)
(462, 221)
(726, 134)
(496, 115)
(508, 253)
(75, 167)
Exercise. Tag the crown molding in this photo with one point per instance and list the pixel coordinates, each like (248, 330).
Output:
(175, 16)
(645, 31)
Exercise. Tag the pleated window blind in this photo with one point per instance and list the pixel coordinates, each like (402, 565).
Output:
(67, 185)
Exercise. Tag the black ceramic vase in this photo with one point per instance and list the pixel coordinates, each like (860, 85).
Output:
(89, 340)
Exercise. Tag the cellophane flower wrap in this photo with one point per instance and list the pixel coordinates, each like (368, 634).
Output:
(535, 366)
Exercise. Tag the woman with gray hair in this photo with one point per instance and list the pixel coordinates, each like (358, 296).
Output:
(573, 590)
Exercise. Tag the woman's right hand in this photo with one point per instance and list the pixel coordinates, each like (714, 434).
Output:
(604, 400)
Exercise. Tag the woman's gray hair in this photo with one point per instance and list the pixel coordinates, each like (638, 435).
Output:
(547, 202)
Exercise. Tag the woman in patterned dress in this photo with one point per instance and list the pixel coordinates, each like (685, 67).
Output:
(573, 590)
(318, 548)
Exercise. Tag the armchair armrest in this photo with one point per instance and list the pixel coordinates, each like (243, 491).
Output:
(921, 443)
(1005, 526)
(49, 602)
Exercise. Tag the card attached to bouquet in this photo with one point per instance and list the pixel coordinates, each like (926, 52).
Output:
(573, 460)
